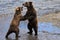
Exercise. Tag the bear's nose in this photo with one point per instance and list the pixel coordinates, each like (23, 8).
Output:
(23, 4)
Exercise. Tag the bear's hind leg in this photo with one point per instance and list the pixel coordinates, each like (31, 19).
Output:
(9, 32)
(17, 33)
(30, 29)
(36, 30)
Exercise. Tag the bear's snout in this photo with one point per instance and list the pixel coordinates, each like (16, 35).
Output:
(23, 4)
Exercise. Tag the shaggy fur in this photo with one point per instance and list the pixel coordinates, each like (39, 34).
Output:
(15, 23)
(31, 16)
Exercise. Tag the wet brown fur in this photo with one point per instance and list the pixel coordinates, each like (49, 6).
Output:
(15, 22)
(31, 16)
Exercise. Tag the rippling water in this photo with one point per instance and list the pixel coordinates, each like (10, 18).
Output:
(8, 6)
(42, 6)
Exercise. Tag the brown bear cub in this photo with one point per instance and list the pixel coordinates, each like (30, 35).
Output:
(15, 22)
(31, 16)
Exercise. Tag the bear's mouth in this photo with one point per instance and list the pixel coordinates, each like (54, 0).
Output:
(23, 4)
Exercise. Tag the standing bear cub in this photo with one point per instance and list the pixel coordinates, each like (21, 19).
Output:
(15, 22)
(31, 16)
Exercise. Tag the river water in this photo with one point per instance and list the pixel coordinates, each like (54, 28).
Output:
(7, 9)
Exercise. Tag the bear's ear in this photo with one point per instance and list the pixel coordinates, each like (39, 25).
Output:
(30, 3)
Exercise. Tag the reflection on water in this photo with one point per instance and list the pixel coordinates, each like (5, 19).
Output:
(43, 26)
(48, 26)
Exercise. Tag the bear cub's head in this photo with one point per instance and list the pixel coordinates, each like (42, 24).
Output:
(18, 10)
(27, 4)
